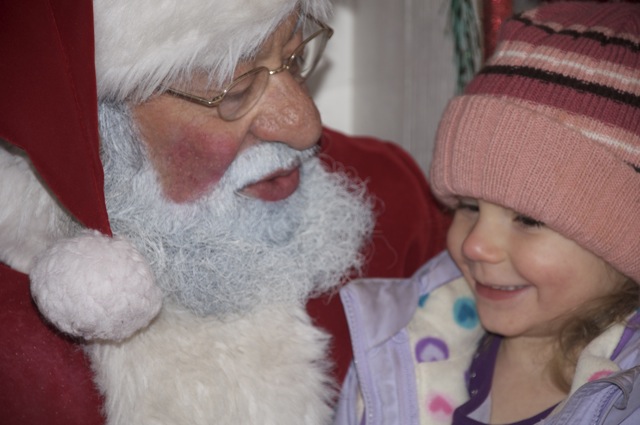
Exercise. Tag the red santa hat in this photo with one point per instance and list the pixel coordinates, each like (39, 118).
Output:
(92, 285)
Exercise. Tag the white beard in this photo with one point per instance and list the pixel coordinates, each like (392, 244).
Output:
(226, 254)
(233, 343)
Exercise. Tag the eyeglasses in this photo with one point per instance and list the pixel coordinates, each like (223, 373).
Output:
(241, 94)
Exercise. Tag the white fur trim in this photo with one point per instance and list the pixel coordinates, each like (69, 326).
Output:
(141, 44)
(95, 287)
(265, 368)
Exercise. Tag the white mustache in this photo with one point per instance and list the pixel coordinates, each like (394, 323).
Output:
(260, 161)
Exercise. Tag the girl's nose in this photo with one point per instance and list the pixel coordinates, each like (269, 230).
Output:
(485, 241)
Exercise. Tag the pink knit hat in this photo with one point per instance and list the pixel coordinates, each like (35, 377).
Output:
(550, 127)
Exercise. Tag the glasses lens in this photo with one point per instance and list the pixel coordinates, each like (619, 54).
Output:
(197, 86)
(243, 94)
(306, 57)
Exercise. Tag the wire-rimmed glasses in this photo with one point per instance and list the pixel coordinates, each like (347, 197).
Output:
(241, 94)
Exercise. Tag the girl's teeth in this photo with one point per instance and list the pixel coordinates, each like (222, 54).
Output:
(506, 288)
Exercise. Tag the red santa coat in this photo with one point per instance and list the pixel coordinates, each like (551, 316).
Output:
(49, 99)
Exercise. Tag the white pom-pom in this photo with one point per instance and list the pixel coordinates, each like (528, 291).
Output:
(95, 287)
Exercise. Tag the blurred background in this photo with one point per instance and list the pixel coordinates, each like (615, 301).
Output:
(390, 67)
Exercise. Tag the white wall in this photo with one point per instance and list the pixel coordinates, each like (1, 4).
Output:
(389, 71)
(333, 83)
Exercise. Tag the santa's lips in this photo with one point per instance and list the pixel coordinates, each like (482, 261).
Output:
(499, 292)
(275, 187)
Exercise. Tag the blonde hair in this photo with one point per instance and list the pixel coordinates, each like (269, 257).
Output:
(585, 325)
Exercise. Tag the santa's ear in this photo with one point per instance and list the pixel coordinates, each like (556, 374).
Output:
(95, 287)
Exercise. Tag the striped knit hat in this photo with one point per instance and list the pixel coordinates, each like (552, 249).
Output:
(551, 127)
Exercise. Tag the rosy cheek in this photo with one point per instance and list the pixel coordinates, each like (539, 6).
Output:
(194, 163)
(541, 263)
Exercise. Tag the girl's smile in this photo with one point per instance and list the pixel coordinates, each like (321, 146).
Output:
(499, 292)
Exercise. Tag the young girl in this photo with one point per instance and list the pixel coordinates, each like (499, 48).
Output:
(532, 315)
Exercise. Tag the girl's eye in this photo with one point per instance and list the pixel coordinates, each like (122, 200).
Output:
(528, 221)
(467, 206)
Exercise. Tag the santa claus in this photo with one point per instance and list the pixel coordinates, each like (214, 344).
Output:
(175, 220)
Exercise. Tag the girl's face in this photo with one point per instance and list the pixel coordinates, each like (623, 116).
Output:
(523, 274)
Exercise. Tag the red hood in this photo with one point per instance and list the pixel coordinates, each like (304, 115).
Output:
(49, 103)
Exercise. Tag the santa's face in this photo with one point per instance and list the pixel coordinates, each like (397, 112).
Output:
(227, 252)
(191, 147)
